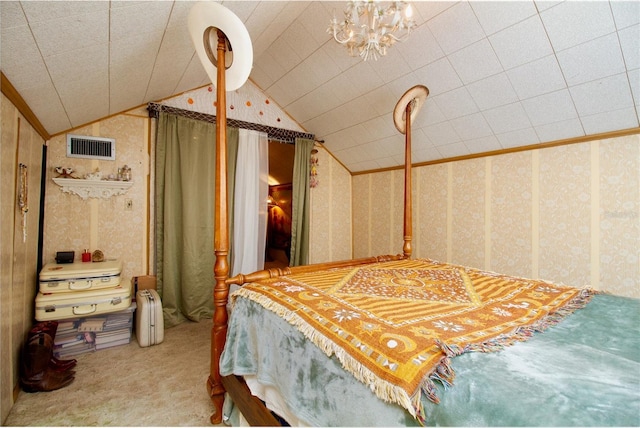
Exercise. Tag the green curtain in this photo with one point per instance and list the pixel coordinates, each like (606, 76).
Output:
(184, 195)
(300, 203)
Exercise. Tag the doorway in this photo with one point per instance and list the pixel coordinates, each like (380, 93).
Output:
(278, 245)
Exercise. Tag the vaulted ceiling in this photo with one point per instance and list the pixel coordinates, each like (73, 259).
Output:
(501, 74)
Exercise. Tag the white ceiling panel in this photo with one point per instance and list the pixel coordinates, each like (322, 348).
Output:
(501, 74)
(475, 62)
(492, 92)
(537, 77)
(456, 28)
(508, 44)
(571, 23)
(549, 108)
(498, 15)
(592, 60)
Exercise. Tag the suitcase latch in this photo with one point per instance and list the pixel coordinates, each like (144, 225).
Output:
(116, 301)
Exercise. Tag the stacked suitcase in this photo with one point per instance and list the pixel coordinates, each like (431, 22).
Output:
(90, 300)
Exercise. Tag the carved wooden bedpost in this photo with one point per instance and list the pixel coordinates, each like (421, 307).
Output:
(221, 241)
(408, 228)
(403, 114)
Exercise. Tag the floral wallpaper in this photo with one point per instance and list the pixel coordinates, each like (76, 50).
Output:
(567, 214)
(75, 224)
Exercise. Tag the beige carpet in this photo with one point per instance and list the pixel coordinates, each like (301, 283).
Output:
(160, 385)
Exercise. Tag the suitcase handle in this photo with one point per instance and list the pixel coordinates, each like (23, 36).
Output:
(77, 311)
(80, 286)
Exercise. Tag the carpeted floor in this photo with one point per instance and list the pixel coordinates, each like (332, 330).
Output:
(160, 385)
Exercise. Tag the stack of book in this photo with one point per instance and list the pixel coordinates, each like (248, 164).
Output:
(88, 334)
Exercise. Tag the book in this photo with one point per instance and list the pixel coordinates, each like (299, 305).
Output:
(108, 336)
(113, 343)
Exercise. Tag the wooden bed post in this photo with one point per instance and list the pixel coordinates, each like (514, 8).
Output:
(221, 240)
(408, 229)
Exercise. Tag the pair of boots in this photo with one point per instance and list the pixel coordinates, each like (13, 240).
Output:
(40, 370)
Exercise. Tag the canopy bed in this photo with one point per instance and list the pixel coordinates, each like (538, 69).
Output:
(379, 340)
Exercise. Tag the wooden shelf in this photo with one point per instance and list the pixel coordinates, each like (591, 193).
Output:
(93, 188)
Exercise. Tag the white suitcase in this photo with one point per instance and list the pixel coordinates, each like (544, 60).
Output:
(149, 318)
(59, 306)
(68, 277)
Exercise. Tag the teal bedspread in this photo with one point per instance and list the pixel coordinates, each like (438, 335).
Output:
(585, 371)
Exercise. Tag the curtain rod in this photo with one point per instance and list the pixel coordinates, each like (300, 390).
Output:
(279, 134)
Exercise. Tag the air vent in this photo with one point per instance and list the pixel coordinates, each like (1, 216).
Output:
(80, 146)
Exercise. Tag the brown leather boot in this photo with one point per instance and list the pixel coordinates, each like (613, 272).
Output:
(36, 375)
(50, 328)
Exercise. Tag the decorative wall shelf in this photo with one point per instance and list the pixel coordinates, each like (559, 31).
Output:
(93, 188)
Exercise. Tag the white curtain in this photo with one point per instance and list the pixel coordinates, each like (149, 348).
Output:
(250, 202)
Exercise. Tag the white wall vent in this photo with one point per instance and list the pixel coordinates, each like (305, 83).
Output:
(80, 146)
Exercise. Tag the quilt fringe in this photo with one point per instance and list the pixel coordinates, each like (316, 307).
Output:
(443, 373)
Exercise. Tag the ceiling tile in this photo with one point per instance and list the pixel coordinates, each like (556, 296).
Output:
(508, 44)
(610, 121)
(427, 10)
(625, 13)
(420, 48)
(20, 59)
(592, 60)
(630, 43)
(70, 66)
(537, 77)
(461, 17)
(441, 134)
(484, 144)
(299, 40)
(560, 130)
(492, 92)
(69, 34)
(45, 98)
(498, 15)
(453, 150)
(475, 62)
(608, 94)
(381, 100)
(138, 18)
(471, 127)
(456, 103)
(634, 81)
(439, 77)
(11, 15)
(38, 11)
(507, 118)
(517, 138)
(549, 108)
(391, 66)
(574, 22)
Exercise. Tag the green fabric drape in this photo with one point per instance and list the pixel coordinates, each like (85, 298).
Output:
(300, 203)
(184, 192)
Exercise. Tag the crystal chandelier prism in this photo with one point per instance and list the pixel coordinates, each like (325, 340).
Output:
(370, 27)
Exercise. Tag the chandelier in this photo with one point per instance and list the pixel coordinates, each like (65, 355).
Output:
(369, 27)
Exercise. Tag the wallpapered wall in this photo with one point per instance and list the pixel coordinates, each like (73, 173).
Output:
(331, 235)
(19, 250)
(568, 214)
(74, 224)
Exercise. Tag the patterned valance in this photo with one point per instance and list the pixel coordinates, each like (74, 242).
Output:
(278, 134)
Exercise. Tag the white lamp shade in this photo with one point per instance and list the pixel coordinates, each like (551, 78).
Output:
(209, 14)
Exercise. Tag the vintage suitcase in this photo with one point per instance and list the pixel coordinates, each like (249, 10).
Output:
(149, 318)
(64, 278)
(58, 306)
